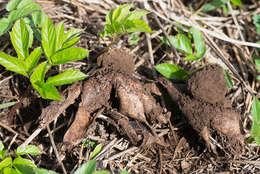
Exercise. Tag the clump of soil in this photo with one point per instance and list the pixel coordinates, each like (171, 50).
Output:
(114, 90)
(118, 59)
(203, 111)
(208, 84)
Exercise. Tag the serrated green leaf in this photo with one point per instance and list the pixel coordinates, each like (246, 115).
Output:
(87, 168)
(96, 151)
(5, 163)
(25, 3)
(20, 38)
(67, 77)
(122, 13)
(237, 2)
(60, 35)
(109, 17)
(23, 11)
(12, 5)
(171, 71)
(200, 46)
(138, 25)
(50, 92)
(101, 172)
(6, 105)
(4, 25)
(13, 64)
(29, 149)
(38, 75)
(1, 146)
(69, 54)
(32, 60)
(43, 171)
(137, 14)
(71, 35)
(48, 34)
(228, 79)
(24, 165)
(213, 5)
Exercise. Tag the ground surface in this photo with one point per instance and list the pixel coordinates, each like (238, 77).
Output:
(146, 123)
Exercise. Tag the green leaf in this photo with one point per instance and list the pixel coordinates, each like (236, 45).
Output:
(69, 54)
(256, 21)
(237, 2)
(24, 3)
(12, 64)
(2, 154)
(228, 79)
(213, 5)
(200, 47)
(32, 60)
(124, 172)
(96, 151)
(180, 42)
(87, 168)
(43, 171)
(29, 149)
(138, 25)
(36, 18)
(255, 110)
(10, 170)
(257, 63)
(120, 13)
(48, 37)
(20, 38)
(101, 172)
(67, 77)
(60, 35)
(23, 11)
(171, 71)
(6, 105)
(24, 165)
(1, 146)
(12, 5)
(38, 75)
(5, 163)
(4, 25)
(48, 92)
(71, 38)
(258, 77)
(134, 38)
(137, 14)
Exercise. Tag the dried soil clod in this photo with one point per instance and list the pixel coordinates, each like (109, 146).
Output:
(204, 112)
(208, 84)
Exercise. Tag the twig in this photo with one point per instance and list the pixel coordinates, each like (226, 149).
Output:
(55, 150)
(11, 130)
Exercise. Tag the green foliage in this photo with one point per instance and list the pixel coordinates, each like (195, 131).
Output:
(18, 165)
(122, 21)
(255, 112)
(256, 21)
(17, 9)
(183, 43)
(96, 151)
(219, 3)
(171, 71)
(228, 79)
(133, 39)
(58, 48)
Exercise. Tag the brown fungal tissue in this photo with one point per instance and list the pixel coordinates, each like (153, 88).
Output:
(112, 83)
(207, 110)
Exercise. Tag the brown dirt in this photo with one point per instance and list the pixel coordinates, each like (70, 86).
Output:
(208, 84)
(118, 59)
(114, 83)
(206, 117)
